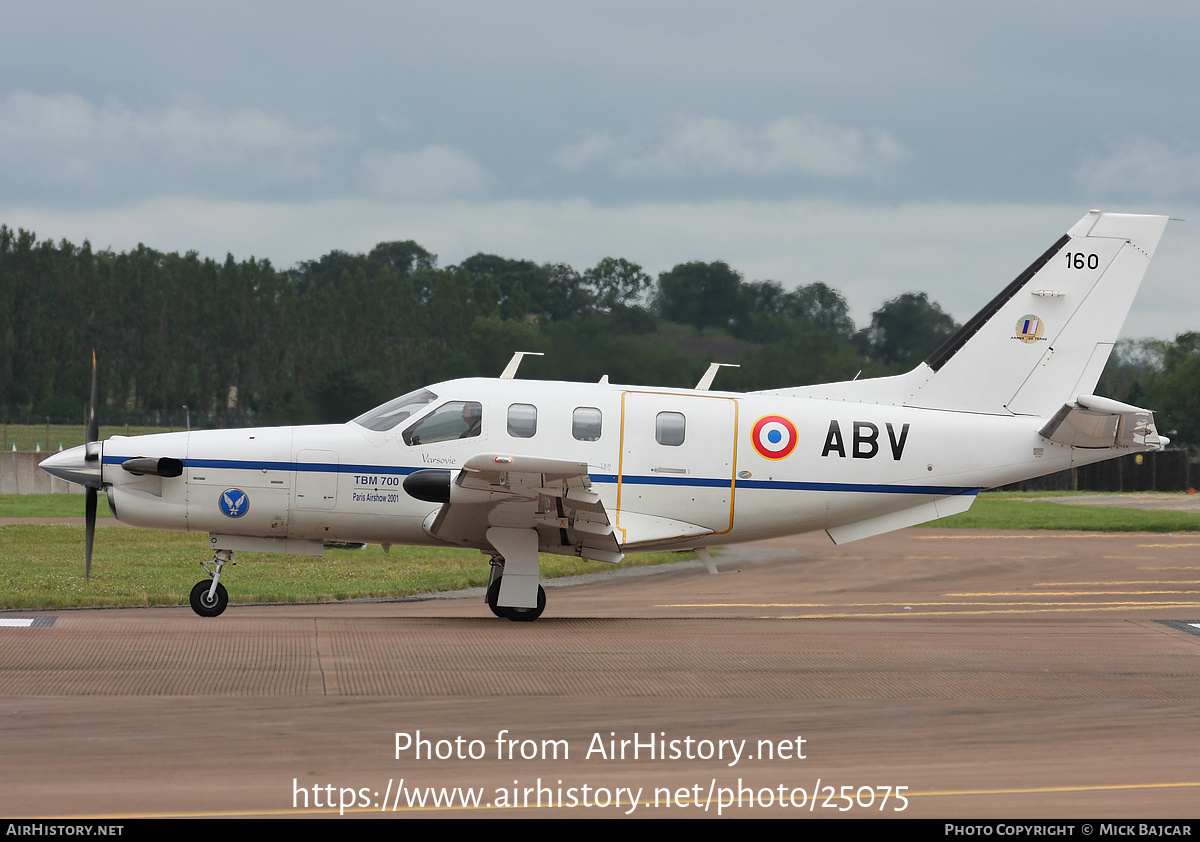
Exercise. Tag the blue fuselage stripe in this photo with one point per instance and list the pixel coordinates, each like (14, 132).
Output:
(702, 482)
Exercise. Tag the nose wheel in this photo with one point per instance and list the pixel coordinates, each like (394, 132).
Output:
(209, 597)
(208, 601)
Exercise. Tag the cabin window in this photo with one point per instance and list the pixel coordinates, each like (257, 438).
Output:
(522, 420)
(455, 420)
(383, 418)
(586, 422)
(669, 428)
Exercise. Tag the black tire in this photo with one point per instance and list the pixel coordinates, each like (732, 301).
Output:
(201, 603)
(517, 615)
(493, 594)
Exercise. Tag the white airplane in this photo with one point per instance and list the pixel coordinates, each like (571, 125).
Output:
(597, 470)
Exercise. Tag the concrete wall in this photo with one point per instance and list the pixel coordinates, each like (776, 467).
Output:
(19, 474)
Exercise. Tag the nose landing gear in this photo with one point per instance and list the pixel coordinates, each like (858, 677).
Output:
(209, 597)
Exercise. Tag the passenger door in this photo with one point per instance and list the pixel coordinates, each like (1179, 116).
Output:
(678, 457)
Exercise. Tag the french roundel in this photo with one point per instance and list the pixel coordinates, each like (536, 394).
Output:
(774, 436)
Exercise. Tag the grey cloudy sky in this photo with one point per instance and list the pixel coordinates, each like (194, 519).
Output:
(879, 147)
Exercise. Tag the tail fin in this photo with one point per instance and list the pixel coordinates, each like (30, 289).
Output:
(1041, 342)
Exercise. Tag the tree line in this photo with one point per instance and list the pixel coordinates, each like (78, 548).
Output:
(1161, 375)
(242, 343)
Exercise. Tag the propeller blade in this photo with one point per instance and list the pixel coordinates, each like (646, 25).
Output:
(90, 518)
(93, 434)
(93, 427)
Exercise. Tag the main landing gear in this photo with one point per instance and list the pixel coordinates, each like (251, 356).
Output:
(519, 615)
(209, 597)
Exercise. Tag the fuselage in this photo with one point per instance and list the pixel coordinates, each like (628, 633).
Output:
(672, 467)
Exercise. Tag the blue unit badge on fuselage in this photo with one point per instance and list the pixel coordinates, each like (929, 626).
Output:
(233, 502)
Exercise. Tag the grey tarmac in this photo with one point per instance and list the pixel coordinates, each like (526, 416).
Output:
(992, 674)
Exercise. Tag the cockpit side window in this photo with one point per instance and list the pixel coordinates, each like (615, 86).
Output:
(454, 420)
(383, 418)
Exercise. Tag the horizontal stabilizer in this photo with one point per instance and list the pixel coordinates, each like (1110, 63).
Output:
(1093, 421)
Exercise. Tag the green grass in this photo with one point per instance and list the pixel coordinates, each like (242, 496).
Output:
(1017, 510)
(49, 505)
(42, 567)
(28, 436)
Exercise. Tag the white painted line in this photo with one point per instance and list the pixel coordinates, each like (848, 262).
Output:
(16, 623)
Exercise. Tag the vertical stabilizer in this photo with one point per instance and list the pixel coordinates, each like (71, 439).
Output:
(1045, 339)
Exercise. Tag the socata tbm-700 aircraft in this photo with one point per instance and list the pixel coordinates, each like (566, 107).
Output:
(597, 470)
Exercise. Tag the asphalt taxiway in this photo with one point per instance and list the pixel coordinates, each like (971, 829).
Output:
(989, 674)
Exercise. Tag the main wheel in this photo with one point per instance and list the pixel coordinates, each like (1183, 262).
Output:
(205, 606)
(519, 615)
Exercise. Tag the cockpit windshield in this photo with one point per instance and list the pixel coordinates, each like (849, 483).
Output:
(383, 418)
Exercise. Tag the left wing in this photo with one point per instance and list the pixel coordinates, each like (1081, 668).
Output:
(553, 496)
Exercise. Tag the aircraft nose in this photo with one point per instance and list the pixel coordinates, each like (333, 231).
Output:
(79, 464)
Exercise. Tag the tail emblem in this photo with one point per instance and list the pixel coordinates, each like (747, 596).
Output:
(1029, 328)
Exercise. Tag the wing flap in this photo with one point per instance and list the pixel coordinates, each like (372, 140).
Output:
(553, 496)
